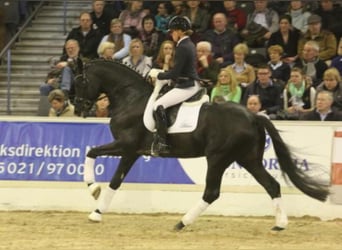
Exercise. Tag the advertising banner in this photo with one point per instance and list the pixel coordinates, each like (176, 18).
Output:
(55, 152)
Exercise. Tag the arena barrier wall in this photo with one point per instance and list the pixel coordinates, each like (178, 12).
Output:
(41, 167)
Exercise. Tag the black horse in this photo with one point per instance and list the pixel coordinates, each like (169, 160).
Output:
(225, 133)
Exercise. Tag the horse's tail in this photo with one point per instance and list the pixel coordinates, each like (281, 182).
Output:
(301, 180)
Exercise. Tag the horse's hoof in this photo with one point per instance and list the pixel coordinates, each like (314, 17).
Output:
(179, 226)
(95, 217)
(95, 190)
(277, 229)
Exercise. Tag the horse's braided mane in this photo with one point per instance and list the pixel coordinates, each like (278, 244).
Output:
(95, 61)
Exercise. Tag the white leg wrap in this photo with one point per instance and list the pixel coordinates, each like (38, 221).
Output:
(280, 215)
(194, 212)
(105, 199)
(89, 175)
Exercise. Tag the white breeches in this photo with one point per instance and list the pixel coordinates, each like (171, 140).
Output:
(175, 96)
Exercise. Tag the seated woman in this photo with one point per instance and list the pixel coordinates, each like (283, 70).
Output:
(199, 18)
(243, 72)
(119, 38)
(280, 70)
(106, 50)
(150, 37)
(132, 17)
(166, 56)
(137, 59)
(299, 95)
(226, 87)
(287, 37)
(59, 104)
(101, 107)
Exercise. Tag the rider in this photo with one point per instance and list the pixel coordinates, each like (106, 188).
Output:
(183, 73)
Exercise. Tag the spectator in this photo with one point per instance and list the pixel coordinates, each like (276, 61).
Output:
(332, 83)
(254, 105)
(131, 18)
(12, 18)
(177, 8)
(287, 37)
(280, 70)
(114, 7)
(162, 17)
(323, 110)
(237, 18)
(59, 105)
(198, 16)
(150, 37)
(137, 59)
(243, 72)
(260, 24)
(70, 65)
(299, 95)
(87, 38)
(222, 40)
(299, 15)
(101, 18)
(310, 63)
(53, 78)
(166, 56)
(226, 87)
(117, 37)
(207, 67)
(101, 107)
(269, 92)
(326, 40)
(331, 14)
(106, 50)
(336, 62)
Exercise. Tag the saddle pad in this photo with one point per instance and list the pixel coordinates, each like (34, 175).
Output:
(187, 116)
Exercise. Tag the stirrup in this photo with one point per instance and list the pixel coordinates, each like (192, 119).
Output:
(158, 147)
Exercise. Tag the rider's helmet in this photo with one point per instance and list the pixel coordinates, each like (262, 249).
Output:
(179, 23)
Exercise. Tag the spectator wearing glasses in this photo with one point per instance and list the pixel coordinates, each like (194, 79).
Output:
(269, 92)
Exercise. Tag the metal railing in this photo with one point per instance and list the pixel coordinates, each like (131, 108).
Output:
(7, 50)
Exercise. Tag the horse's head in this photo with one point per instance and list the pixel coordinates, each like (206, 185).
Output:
(82, 101)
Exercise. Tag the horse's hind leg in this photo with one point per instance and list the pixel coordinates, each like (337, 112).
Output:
(272, 187)
(125, 165)
(216, 168)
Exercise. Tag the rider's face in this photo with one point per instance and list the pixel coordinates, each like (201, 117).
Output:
(175, 35)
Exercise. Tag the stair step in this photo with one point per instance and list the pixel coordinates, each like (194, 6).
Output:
(30, 68)
(31, 84)
(23, 59)
(37, 51)
(41, 43)
(40, 36)
(37, 75)
(46, 28)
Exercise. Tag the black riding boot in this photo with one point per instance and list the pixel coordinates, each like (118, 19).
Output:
(159, 141)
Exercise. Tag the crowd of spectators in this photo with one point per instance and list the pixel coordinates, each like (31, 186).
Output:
(281, 51)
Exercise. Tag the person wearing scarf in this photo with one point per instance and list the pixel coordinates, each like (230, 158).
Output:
(299, 95)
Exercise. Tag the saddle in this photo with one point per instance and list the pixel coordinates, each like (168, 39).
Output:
(182, 117)
(172, 112)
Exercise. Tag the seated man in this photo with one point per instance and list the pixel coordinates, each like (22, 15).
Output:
(323, 110)
(70, 65)
(222, 40)
(59, 104)
(325, 39)
(268, 92)
(312, 66)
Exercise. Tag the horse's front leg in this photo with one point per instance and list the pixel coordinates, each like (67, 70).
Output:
(114, 149)
(125, 165)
